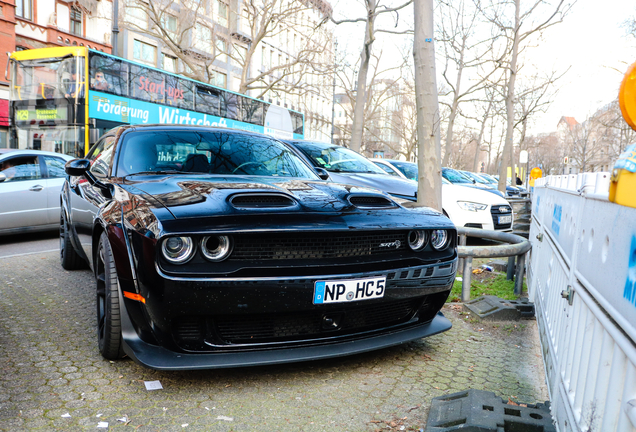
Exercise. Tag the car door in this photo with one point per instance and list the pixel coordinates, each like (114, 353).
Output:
(23, 193)
(55, 175)
(85, 198)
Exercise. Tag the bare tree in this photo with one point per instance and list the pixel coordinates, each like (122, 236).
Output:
(303, 68)
(471, 58)
(518, 27)
(199, 37)
(617, 133)
(429, 191)
(385, 91)
(373, 9)
(181, 26)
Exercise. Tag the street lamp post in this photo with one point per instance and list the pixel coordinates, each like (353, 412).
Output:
(115, 30)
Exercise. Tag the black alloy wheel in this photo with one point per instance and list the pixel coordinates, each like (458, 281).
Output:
(108, 308)
(69, 257)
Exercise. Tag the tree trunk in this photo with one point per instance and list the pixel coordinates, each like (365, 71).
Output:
(429, 145)
(361, 91)
(507, 156)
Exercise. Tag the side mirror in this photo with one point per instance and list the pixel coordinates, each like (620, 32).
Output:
(80, 167)
(77, 167)
(322, 173)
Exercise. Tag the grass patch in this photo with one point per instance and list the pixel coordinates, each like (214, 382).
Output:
(497, 286)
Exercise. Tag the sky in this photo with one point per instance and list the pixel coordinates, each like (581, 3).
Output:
(590, 42)
(593, 45)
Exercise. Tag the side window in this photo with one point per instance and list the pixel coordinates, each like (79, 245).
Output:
(101, 155)
(55, 166)
(21, 168)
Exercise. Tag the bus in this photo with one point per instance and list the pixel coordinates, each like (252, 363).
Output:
(64, 98)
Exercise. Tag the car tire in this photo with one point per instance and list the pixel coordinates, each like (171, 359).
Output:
(69, 257)
(108, 308)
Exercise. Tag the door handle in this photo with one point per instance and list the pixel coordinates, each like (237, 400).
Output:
(36, 188)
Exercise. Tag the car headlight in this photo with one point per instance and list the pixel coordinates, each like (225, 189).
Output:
(439, 239)
(216, 248)
(177, 250)
(417, 239)
(471, 206)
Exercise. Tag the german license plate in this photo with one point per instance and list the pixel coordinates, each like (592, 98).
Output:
(340, 291)
(505, 219)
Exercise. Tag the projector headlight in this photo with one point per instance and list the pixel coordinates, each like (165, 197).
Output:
(216, 248)
(177, 250)
(439, 239)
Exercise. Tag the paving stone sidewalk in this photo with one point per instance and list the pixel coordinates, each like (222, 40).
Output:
(52, 376)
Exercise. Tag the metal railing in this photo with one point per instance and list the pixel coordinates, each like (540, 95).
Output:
(513, 245)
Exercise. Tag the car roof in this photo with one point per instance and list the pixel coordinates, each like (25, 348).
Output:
(4, 153)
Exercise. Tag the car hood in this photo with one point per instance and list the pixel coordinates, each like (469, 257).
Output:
(210, 196)
(392, 185)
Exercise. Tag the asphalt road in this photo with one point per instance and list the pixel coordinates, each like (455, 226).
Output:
(52, 376)
(24, 244)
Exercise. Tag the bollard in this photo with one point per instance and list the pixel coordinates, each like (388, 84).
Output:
(510, 270)
(462, 242)
(515, 245)
(521, 263)
(468, 272)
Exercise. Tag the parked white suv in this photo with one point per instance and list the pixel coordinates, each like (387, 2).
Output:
(465, 206)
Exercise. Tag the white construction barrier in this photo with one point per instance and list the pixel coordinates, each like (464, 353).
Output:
(582, 279)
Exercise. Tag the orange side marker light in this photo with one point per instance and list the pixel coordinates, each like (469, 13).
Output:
(134, 296)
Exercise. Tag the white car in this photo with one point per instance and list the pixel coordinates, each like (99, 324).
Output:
(465, 206)
(30, 185)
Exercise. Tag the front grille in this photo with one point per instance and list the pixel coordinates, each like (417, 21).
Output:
(495, 216)
(316, 246)
(329, 324)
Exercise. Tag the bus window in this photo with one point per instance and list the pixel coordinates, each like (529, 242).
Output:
(208, 100)
(297, 122)
(147, 84)
(229, 106)
(46, 79)
(251, 111)
(178, 92)
(113, 71)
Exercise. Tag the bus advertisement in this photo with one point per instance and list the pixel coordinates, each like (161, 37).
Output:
(64, 99)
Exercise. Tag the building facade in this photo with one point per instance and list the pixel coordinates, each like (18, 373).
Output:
(219, 42)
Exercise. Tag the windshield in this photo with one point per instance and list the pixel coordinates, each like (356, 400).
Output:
(50, 78)
(338, 159)
(409, 169)
(227, 153)
(455, 176)
(488, 178)
(389, 170)
(475, 177)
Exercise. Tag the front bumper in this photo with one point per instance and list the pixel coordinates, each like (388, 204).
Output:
(160, 358)
(207, 324)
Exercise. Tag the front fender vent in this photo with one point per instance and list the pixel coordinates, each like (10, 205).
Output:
(261, 201)
(366, 201)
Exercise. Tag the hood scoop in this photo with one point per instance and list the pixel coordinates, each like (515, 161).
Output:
(262, 201)
(371, 202)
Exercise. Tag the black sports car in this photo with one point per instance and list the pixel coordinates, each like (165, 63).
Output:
(220, 248)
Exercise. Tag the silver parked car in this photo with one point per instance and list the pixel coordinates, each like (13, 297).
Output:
(30, 184)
